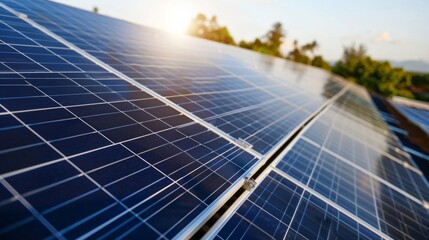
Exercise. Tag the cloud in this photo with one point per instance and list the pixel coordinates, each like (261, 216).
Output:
(384, 37)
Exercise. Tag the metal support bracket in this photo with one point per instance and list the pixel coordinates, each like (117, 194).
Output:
(249, 184)
(244, 144)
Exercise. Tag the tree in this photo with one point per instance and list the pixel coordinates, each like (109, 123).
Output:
(374, 75)
(274, 38)
(298, 54)
(311, 47)
(420, 86)
(209, 29)
(351, 52)
(198, 26)
(269, 44)
(319, 62)
(355, 64)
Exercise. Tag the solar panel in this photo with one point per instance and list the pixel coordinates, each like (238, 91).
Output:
(321, 189)
(279, 209)
(419, 116)
(208, 80)
(115, 130)
(85, 151)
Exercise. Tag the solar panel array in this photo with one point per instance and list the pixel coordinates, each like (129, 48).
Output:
(84, 151)
(419, 116)
(214, 86)
(114, 130)
(339, 180)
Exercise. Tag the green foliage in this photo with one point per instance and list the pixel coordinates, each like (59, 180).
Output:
(274, 38)
(310, 47)
(421, 80)
(352, 52)
(319, 62)
(374, 75)
(270, 43)
(420, 86)
(355, 65)
(210, 29)
(300, 54)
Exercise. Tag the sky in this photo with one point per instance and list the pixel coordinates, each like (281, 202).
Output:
(395, 30)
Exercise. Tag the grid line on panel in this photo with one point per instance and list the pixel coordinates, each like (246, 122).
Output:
(308, 180)
(79, 105)
(398, 230)
(265, 203)
(213, 92)
(329, 202)
(319, 156)
(213, 230)
(132, 81)
(90, 44)
(233, 227)
(278, 120)
(409, 196)
(83, 173)
(240, 110)
(313, 118)
(262, 89)
(261, 209)
(105, 190)
(30, 208)
(104, 166)
(20, 51)
(77, 117)
(227, 215)
(230, 151)
(297, 107)
(390, 156)
(377, 163)
(243, 78)
(95, 130)
(202, 102)
(329, 223)
(375, 202)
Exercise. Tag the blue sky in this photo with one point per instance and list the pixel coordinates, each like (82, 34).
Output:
(391, 29)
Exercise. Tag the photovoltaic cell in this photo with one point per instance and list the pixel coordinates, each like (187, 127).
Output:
(279, 209)
(88, 153)
(354, 142)
(214, 85)
(341, 174)
(417, 115)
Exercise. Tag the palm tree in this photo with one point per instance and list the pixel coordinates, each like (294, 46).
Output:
(310, 47)
(275, 38)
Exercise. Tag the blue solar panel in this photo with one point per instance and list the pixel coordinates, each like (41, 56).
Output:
(209, 80)
(87, 152)
(279, 209)
(419, 116)
(342, 164)
(115, 130)
(372, 151)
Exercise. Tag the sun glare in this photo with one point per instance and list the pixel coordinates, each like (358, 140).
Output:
(178, 18)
